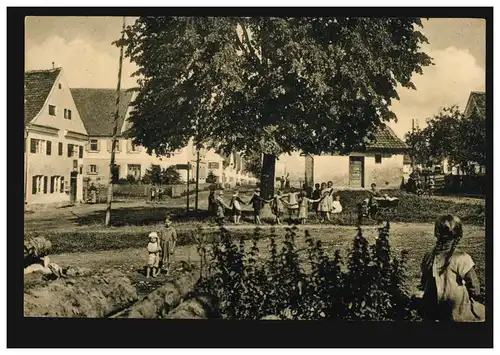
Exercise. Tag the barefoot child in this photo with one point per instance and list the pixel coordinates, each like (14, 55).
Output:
(168, 239)
(235, 204)
(277, 206)
(324, 207)
(449, 279)
(153, 255)
(257, 202)
(304, 202)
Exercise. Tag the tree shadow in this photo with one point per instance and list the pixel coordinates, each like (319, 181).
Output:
(142, 216)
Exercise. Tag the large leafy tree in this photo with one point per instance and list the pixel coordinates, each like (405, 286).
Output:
(269, 85)
(451, 135)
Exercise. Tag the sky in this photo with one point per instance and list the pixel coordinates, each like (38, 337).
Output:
(82, 46)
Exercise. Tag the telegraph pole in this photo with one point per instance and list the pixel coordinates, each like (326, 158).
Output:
(115, 129)
(187, 201)
(197, 176)
(412, 144)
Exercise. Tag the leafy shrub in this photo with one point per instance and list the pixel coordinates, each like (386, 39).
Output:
(211, 178)
(371, 286)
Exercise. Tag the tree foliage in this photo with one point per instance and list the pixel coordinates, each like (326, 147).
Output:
(156, 175)
(242, 81)
(451, 135)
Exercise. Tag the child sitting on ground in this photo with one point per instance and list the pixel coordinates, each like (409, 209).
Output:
(449, 279)
(336, 206)
(154, 249)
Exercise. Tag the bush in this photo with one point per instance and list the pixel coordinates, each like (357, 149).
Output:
(371, 287)
(211, 178)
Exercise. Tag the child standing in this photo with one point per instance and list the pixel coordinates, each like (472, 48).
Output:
(293, 203)
(324, 207)
(304, 206)
(235, 204)
(315, 195)
(154, 249)
(329, 187)
(257, 202)
(449, 279)
(168, 240)
(221, 206)
(277, 206)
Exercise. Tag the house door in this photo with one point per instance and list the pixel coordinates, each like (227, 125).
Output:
(356, 171)
(73, 187)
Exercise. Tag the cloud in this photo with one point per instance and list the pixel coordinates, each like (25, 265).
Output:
(85, 65)
(449, 82)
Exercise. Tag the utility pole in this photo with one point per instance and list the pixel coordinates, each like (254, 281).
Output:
(197, 176)
(115, 129)
(187, 202)
(412, 144)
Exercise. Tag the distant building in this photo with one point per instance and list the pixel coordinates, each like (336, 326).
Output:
(380, 162)
(55, 137)
(97, 108)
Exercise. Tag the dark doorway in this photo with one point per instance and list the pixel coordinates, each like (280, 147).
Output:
(357, 171)
(73, 186)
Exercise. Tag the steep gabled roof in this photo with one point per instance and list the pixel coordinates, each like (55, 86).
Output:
(97, 109)
(477, 100)
(386, 139)
(37, 87)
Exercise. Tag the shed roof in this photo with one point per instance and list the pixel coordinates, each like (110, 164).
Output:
(386, 139)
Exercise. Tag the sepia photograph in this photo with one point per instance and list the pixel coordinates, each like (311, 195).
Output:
(260, 167)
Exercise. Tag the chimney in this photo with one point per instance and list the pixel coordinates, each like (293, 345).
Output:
(53, 65)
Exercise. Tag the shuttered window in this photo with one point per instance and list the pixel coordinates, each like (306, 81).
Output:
(33, 145)
(70, 150)
(80, 152)
(60, 148)
(52, 184)
(49, 148)
(33, 185)
(45, 184)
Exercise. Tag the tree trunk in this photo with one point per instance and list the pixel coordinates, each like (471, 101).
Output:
(88, 297)
(267, 176)
(163, 299)
(200, 307)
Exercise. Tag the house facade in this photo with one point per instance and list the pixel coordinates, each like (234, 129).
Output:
(381, 162)
(55, 138)
(97, 108)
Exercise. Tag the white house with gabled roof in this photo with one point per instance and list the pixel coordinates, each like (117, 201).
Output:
(55, 137)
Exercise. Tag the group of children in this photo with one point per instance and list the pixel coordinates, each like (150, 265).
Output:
(294, 200)
(161, 249)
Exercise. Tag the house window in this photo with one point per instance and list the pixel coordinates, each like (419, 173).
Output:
(378, 158)
(52, 183)
(69, 115)
(45, 183)
(92, 169)
(37, 146)
(65, 113)
(94, 145)
(60, 148)
(36, 187)
(61, 184)
(213, 165)
(134, 170)
(80, 152)
(49, 148)
(52, 110)
(72, 151)
(60, 86)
